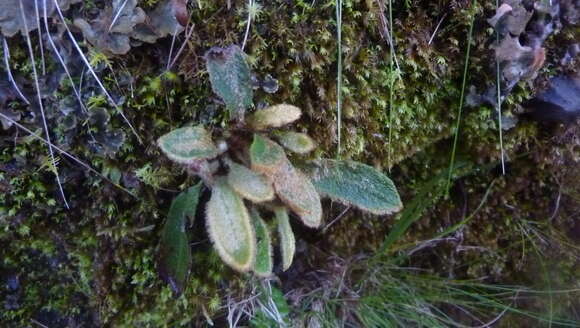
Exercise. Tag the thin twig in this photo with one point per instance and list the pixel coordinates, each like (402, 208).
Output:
(9, 71)
(171, 48)
(335, 219)
(498, 91)
(61, 60)
(339, 75)
(117, 15)
(436, 29)
(250, 5)
(385, 31)
(187, 37)
(462, 96)
(38, 323)
(40, 105)
(42, 61)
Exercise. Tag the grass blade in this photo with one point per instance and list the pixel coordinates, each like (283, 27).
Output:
(339, 76)
(463, 85)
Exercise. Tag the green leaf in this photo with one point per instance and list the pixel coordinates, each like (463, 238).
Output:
(230, 228)
(264, 262)
(299, 194)
(266, 155)
(298, 143)
(356, 184)
(249, 184)
(274, 116)
(187, 145)
(174, 250)
(287, 240)
(230, 78)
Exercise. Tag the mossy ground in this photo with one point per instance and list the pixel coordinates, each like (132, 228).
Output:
(94, 265)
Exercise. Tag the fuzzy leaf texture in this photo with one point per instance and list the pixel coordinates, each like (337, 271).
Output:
(264, 261)
(187, 145)
(357, 184)
(299, 194)
(274, 116)
(291, 185)
(230, 78)
(230, 227)
(174, 250)
(249, 184)
(266, 155)
(287, 240)
(298, 143)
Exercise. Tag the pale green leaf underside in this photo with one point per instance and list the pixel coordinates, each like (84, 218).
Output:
(188, 144)
(287, 240)
(298, 143)
(299, 194)
(264, 261)
(230, 228)
(175, 253)
(274, 116)
(357, 184)
(249, 184)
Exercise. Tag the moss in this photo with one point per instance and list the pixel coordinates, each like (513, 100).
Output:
(98, 259)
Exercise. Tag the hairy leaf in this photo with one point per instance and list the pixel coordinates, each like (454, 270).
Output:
(274, 116)
(298, 143)
(230, 228)
(287, 240)
(249, 184)
(264, 262)
(357, 184)
(188, 144)
(266, 155)
(230, 78)
(299, 194)
(174, 250)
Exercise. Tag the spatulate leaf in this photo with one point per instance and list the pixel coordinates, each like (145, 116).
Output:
(356, 184)
(174, 250)
(274, 116)
(188, 144)
(287, 240)
(230, 227)
(298, 143)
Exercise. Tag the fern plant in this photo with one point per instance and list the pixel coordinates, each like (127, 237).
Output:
(254, 186)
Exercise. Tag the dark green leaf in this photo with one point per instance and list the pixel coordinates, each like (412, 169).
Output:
(230, 78)
(174, 251)
(264, 261)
